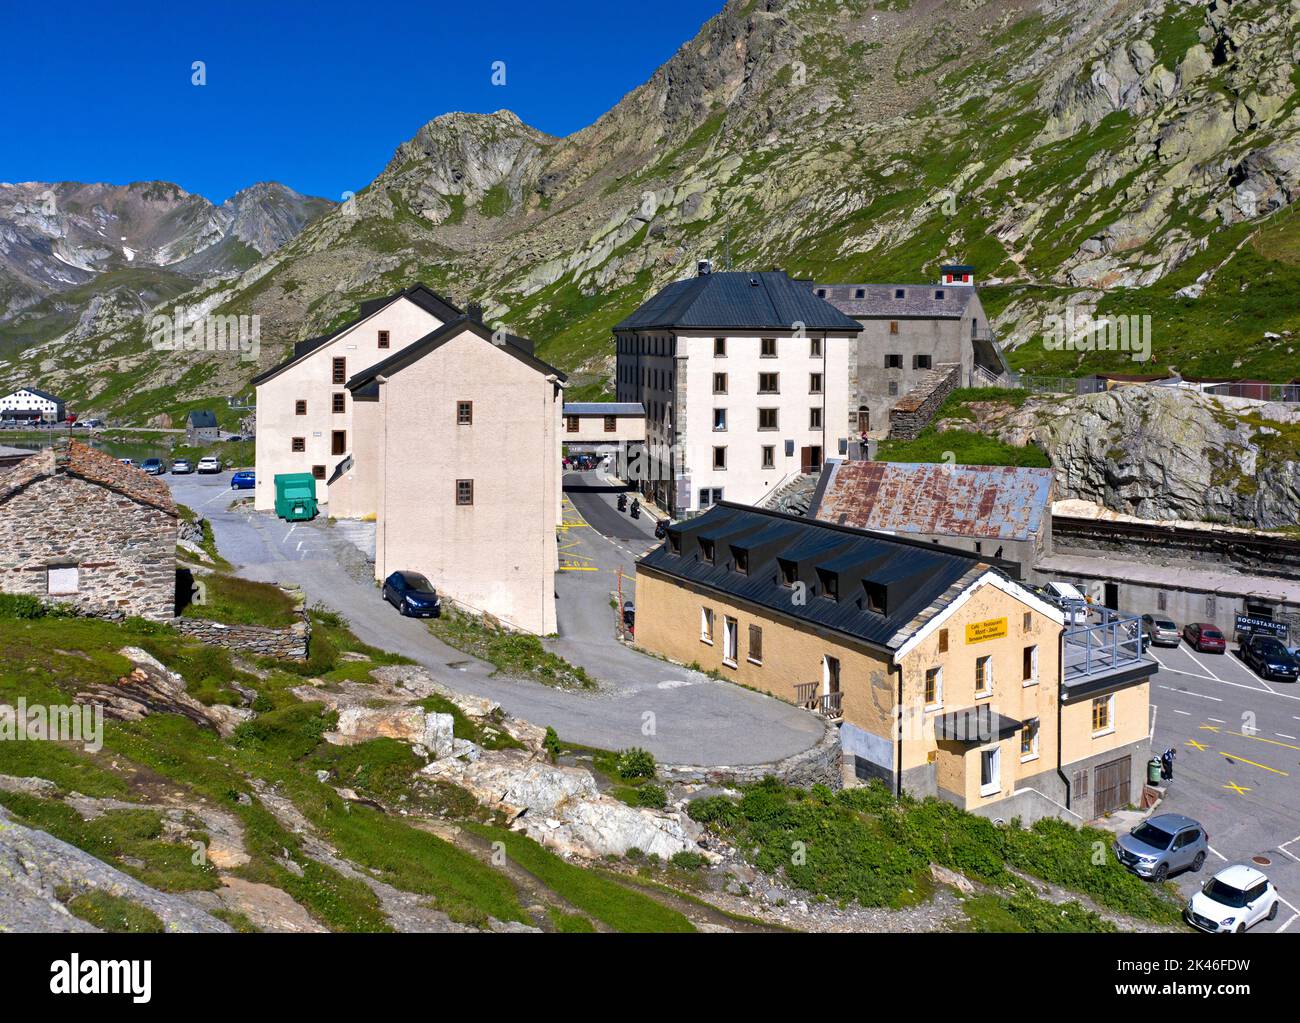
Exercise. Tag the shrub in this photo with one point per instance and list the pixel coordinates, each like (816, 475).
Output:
(552, 744)
(717, 810)
(26, 606)
(688, 860)
(652, 796)
(636, 763)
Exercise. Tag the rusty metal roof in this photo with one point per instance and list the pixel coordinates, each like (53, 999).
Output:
(999, 502)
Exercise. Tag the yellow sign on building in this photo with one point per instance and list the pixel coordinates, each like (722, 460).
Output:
(978, 632)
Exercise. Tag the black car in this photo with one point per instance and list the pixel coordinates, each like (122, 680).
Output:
(1270, 659)
(412, 594)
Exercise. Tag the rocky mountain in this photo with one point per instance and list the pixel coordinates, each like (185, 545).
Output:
(1127, 156)
(67, 249)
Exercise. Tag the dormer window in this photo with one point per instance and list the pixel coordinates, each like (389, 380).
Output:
(789, 572)
(860, 293)
(939, 294)
(830, 583)
(900, 293)
(675, 543)
(706, 551)
(875, 597)
(741, 557)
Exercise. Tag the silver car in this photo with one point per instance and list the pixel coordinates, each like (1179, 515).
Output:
(1163, 845)
(1160, 631)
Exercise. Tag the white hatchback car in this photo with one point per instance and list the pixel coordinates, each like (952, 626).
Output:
(1235, 898)
(209, 464)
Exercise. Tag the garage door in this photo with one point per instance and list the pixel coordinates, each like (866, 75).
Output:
(1111, 786)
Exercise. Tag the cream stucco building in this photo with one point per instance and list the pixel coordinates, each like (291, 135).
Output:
(944, 675)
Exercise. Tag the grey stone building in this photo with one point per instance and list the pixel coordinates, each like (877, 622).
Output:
(200, 427)
(79, 527)
(909, 331)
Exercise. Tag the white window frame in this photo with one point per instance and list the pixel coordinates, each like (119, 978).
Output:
(993, 787)
(987, 691)
(706, 625)
(938, 689)
(730, 640)
(1033, 667)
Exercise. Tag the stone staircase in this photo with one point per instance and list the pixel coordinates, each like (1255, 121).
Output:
(793, 497)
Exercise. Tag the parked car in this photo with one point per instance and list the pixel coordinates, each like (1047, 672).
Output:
(181, 466)
(1270, 659)
(1235, 898)
(1205, 639)
(412, 594)
(1166, 843)
(1067, 597)
(127, 461)
(209, 463)
(154, 466)
(1160, 631)
(245, 479)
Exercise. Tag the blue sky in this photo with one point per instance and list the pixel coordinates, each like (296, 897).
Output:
(316, 95)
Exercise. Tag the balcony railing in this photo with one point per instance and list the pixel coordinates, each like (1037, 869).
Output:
(1108, 642)
(808, 695)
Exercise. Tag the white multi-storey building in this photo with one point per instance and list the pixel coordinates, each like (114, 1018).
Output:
(745, 382)
(29, 403)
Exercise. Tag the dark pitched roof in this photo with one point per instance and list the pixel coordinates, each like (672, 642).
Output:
(421, 294)
(911, 578)
(201, 419)
(84, 462)
(999, 502)
(39, 393)
(436, 339)
(604, 408)
(738, 301)
(881, 301)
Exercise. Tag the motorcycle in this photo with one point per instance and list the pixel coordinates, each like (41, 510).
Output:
(661, 529)
(622, 502)
(636, 509)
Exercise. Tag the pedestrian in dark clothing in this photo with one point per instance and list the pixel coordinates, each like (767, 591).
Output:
(1167, 764)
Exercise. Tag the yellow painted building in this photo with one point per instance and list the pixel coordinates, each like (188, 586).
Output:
(946, 677)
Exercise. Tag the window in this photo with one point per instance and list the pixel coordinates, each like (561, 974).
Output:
(874, 595)
(675, 543)
(611, 424)
(719, 383)
(719, 458)
(814, 419)
(769, 383)
(464, 413)
(893, 360)
(933, 687)
(1028, 624)
(1029, 740)
(943, 641)
(767, 419)
(740, 557)
(767, 348)
(921, 362)
(1210, 607)
(705, 500)
(983, 675)
(939, 295)
(1030, 665)
(990, 769)
(338, 402)
(339, 442)
(706, 625)
(298, 444)
(318, 471)
(814, 383)
(300, 408)
(730, 640)
(62, 580)
(900, 293)
(893, 326)
(860, 293)
(830, 583)
(719, 347)
(1162, 600)
(755, 644)
(1103, 715)
(893, 388)
(789, 571)
(340, 371)
(815, 347)
(464, 491)
(572, 424)
(706, 551)
(769, 456)
(719, 419)
(383, 339)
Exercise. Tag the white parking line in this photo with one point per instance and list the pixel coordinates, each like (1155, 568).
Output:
(1235, 685)
(1283, 735)
(1185, 713)
(1188, 692)
(1289, 922)
(1216, 852)
(1217, 721)
(1197, 661)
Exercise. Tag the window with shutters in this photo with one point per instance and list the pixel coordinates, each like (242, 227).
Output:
(755, 644)
(298, 444)
(299, 408)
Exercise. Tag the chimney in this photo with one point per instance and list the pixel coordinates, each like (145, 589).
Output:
(704, 267)
(474, 311)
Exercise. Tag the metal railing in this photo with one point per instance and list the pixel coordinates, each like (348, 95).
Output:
(1109, 644)
(1258, 392)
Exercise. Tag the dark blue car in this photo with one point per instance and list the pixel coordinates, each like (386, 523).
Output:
(412, 594)
(245, 479)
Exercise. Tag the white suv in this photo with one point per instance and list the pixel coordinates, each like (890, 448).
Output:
(1235, 898)
(209, 463)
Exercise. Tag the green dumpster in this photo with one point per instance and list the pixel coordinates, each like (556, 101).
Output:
(1153, 770)
(295, 496)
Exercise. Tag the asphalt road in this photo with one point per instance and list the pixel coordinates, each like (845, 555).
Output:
(681, 716)
(1237, 768)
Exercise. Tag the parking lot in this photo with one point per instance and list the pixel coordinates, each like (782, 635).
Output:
(1237, 766)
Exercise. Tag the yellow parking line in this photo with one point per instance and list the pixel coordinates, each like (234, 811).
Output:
(1241, 790)
(1209, 728)
(1260, 738)
(579, 568)
(1252, 763)
(1198, 745)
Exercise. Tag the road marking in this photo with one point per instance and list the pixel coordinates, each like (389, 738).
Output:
(1216, 851)
(1241, 791)
(1265, 767)
(1283, 735)
(1213, 678)
(1289, 922)
(1209, 728)
(1272, 742)
(1188, 692)
(1197, 661)
(1199, 746)
(1217, 721)
(1185, 713)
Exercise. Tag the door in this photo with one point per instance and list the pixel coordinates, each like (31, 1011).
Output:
(1111, 786)
(810, 459)
(864, 419)
(1183, 851)
(1112, 596)
(830, 674)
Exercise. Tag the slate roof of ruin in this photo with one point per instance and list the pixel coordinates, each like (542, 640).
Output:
(604, 408)
(880, 301)
(86, 463)
(996, 502)
(737, 300)
(201, 419)
(920, 579)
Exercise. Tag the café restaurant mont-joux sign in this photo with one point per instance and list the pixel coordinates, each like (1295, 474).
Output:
(979, 632)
